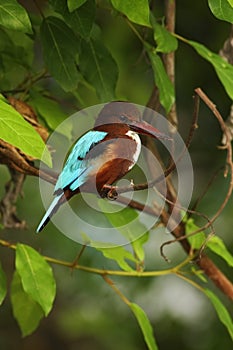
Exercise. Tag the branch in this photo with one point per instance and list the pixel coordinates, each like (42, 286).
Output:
(228, 148)
(214, 274)
(103, 272)
(217, 277)
(13, 158)
(8, 210)
(169, 58)
(205, 263)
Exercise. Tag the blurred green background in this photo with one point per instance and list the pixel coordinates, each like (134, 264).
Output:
(87, 314)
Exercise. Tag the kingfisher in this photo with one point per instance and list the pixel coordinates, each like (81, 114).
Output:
(103, 155)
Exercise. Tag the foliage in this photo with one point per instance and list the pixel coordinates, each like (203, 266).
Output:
(77, 63)
(19, 133)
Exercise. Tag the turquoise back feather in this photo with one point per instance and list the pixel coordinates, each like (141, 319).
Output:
(77, 169)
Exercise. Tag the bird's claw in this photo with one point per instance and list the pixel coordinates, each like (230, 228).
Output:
(109, 192)
(131, 183)
(112, 195)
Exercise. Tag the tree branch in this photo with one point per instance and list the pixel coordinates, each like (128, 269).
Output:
(227, 146)
(13, 189)
(169, 58)
(104, 272)
(14, 159)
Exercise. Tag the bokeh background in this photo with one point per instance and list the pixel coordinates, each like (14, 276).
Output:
(87, 314)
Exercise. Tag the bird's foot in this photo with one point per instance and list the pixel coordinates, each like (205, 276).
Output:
(112, 195)
(109, 192)
(132, 183)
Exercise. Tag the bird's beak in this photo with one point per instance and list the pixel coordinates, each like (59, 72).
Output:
(145, 128)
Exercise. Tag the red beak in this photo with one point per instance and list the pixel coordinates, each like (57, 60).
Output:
(145, 128)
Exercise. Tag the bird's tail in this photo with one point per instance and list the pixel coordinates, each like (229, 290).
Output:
(51, 211)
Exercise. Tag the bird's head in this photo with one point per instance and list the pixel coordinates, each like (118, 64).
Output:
(120, 117)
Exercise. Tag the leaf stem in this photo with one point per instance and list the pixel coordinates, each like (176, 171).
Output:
(181, 38)
(135, 32)
(103, 272)
(193, 283)
(116, 290)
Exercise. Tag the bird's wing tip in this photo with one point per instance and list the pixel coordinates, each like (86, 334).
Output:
(49, 213)
(41, 226)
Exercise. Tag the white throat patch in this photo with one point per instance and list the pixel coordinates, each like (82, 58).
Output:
(134, 136)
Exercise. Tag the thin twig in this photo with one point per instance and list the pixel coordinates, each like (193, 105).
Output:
(184, 236)
(228, 148)
(205, 189)
(116, 290)
(104, 272)
(169, 58)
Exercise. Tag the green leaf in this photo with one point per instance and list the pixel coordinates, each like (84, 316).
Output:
(126, 221)
(145, 326)
(164, 84)
(16, 45)
(25, 310)
(166, 42)
(137, 245)
(51, 112)
(15, 58)
(218, 247)
(197, 239)
(215, 243)
(74, 4)
(81, 20)
(14, 16)
(222, 312)
(118, 254)
(37, 276)
(137, 11)
(99, 68)
(11, 72)
(222, 9)
(223, 69)
(199, 273)
(3, 285)
(19, 133)
(230, 2)
(60, 51)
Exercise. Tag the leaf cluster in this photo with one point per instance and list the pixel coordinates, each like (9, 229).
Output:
(74, 55)
(70, 38)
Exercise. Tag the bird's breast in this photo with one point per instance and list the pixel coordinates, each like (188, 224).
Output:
(112, 158)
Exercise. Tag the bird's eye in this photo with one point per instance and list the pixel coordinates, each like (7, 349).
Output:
(123, 118)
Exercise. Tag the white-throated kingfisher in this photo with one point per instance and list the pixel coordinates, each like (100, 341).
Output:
(103, 155)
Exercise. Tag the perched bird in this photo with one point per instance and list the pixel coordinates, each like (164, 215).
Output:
(103, 155)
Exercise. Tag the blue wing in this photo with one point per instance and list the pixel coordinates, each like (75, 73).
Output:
(76, 169)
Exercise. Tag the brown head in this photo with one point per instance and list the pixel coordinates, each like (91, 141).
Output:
(120, 117)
